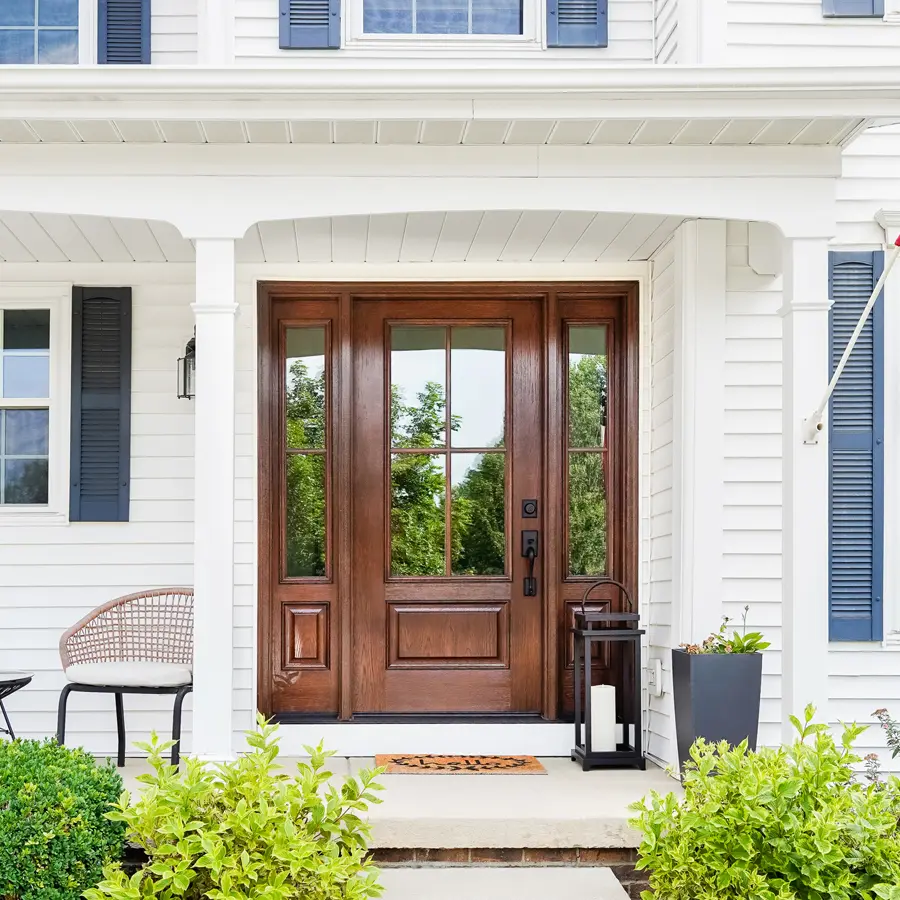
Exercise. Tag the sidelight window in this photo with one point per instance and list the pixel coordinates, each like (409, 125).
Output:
(448, 458)
(587, 405)
(306, 413)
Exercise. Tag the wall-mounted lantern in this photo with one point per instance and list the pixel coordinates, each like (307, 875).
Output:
(187, 370)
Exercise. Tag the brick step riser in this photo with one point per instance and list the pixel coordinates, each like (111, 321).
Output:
(620, 861)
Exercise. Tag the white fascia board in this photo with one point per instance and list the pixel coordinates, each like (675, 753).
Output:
(254, 92)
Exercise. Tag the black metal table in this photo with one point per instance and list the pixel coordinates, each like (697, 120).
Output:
(10, 682)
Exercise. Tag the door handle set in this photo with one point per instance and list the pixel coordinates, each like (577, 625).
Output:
(530, 548)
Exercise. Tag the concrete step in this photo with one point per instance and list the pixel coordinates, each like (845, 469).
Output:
(495, 883)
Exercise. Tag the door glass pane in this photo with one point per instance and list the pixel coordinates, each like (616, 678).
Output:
(418, 387)
(418, 507)
(477, 386)
(587, 385)
(587, 514)
(305, 388)
(305, 506)
(478, 513)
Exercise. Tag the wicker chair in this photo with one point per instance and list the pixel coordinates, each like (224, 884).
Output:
(139, 644)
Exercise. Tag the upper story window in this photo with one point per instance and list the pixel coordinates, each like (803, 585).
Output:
(38, 31)
(442, 16)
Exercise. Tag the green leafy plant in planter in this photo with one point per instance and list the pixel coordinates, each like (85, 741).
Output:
(790, 823)
(54, 834)
(246, 830)
(720, 641)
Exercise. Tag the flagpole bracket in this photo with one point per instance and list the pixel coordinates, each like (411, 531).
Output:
(812, 428)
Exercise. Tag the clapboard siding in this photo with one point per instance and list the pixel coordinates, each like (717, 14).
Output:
(801, 36)
(664, 293)
(173, 32)
(752, 498)
(866, 677)
(256, 35)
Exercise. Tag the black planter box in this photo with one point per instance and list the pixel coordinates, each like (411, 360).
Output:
(716, 697)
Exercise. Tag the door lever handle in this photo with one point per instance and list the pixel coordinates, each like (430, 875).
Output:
(530, 551)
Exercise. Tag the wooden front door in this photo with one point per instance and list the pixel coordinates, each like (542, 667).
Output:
(419, 444)
(447, 451)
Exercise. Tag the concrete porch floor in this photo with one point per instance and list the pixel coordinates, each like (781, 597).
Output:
(563, 809)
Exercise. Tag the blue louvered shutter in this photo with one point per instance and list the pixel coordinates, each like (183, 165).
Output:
(310, 24)
(576, 23)
(854, 9)
(124, 32)
(856, 452)
(101, 405)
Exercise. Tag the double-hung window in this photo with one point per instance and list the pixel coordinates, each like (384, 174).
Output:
(33, 400)
(38, 31)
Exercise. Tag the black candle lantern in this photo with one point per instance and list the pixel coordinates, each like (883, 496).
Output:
(598, 713)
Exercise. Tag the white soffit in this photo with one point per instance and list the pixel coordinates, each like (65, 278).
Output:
(421, 237)
(437, 132)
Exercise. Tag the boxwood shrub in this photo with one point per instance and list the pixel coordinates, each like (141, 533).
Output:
(55, 837)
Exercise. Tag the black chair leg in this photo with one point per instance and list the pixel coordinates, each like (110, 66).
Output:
(176, 723)
(61, 715)
(9, 729)
(120, 725)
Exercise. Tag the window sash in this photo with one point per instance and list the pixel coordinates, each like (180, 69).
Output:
(57, 299)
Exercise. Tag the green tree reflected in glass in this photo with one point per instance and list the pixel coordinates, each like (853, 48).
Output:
(587, 408)
(479, 513)
(306, 543)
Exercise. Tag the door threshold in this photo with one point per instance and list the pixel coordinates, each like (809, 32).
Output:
(534, 737)
(413, 718)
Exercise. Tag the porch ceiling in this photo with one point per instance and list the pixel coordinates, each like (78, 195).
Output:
(450, 131)
(504, 236)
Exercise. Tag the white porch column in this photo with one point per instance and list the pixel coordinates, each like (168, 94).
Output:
(699, 431)
(804, 481)
(215, 310)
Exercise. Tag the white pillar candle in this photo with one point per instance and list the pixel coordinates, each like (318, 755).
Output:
(603, 718)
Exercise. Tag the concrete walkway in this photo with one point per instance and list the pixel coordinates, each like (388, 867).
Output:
(501, 884)
(564, 808)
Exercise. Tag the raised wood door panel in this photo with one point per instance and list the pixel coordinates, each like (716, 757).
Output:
(445, 632)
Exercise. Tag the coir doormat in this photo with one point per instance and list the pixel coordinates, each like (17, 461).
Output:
(412, 764)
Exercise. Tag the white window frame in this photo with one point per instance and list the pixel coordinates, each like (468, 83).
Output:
(58, 299)
(532, 37)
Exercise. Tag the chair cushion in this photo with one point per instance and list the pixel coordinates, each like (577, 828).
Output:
(130, 674)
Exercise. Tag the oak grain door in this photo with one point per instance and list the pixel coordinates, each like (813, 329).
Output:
(447, 402)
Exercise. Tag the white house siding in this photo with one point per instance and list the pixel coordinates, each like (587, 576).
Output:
(794, 33)
(52, 575)
(173, 32)
(664, 293)
(666, 26)
(256, 36)
(863, 677)
(752, 497)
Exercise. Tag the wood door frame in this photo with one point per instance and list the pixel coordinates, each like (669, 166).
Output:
(268, 451)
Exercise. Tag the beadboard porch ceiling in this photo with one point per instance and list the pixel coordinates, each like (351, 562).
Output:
(495, 236)
(450, 131)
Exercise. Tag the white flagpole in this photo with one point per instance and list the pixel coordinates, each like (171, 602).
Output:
(813, 425)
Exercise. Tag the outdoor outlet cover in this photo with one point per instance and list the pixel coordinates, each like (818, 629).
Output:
(655, 677)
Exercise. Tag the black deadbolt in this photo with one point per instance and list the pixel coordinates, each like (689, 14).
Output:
(529, 509)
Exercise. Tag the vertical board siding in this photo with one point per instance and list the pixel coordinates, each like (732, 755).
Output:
(659, 611)
(856, 452)
(630, 25)
(800, 35)
(174, 33)
(752, 498)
